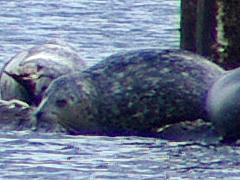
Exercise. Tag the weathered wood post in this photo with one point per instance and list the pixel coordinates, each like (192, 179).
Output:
(188, 24)
(206, 28)
(212, 28)
(229, 33)
(198, 26)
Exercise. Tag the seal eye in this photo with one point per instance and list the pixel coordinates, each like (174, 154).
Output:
(61, 103)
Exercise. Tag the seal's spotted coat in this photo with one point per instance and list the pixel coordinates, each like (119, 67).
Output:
(131, 93)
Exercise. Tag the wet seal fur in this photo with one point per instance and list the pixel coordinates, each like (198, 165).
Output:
(131, 93)
(223, 105)
(27, 75)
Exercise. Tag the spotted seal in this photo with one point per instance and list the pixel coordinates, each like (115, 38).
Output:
(131, 93)
(28, 74)
(223, 105)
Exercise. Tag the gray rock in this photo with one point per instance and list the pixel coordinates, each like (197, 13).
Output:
(15, 115)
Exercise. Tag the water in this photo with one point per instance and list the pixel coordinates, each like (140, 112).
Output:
(98, 28)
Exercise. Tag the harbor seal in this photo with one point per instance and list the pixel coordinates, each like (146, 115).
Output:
(223, 105)
(131, 93)
(28, 74)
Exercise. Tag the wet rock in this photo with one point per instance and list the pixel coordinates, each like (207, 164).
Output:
(15, 115)
(198, 131)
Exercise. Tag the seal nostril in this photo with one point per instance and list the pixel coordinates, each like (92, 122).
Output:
(39, 115)
(61, 103)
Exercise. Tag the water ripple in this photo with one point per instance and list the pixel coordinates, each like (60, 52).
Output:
(97, 28)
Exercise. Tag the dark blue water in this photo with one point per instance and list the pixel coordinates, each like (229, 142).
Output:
(98, 28)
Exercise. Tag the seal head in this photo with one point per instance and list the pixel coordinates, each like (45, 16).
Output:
(73, 106)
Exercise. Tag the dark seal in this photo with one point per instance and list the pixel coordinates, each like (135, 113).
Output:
(131, 93)
(28, 74)
(223, 104)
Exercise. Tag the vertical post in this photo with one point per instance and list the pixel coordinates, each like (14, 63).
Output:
(206, 33)
(229, 37)
(188, 24)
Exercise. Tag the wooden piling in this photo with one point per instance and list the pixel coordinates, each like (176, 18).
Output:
(229, 35)
(212, 28)
(188, 25)
(206, 33)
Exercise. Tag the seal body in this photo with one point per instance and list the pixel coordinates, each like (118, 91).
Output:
(131, 93)
(28, 74)
(223, 104)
